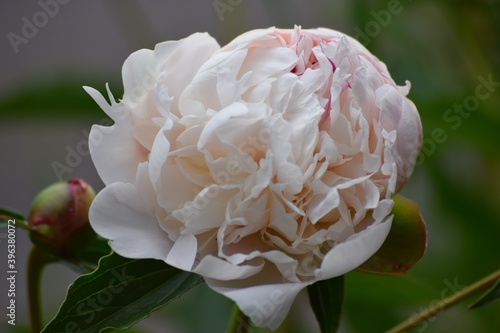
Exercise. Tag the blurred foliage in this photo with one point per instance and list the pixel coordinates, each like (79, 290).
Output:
(53, 99)
(442, 48)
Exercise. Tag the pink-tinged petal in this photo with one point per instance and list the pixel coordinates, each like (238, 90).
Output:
(252, 36)
(400, 114)
(408, 141)
(354, 251)
(125, 214)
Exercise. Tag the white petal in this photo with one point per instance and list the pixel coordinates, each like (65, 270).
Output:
(207, 211)
(322, 204)
(115, 153)
(179, 61)
(234, 110)
(202, 92)
(113, 149)
(282, 221)
(212, 267)
(173, 178)
(267, 62)
(159, 153)
(266, 305)
(229, 88)
(250, 36)
(183, 253)
(139, 74)
(115, 111)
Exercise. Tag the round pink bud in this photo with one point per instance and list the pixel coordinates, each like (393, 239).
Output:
(59, 213)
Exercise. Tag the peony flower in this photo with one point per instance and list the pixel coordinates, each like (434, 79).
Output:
(263, 166)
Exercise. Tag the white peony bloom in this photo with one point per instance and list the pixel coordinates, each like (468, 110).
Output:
(264, 166)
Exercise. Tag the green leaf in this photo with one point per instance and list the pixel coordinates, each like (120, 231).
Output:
(326, 299)
(120, 293)
(488, 297)
(405, 245)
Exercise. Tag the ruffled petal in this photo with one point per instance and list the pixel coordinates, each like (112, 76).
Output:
(179, 62)
(212, 267)
(354, 251)
(113, 149)
(400, 115)
(125, 214)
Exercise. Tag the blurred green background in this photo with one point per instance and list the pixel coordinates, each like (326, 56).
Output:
(446, 49)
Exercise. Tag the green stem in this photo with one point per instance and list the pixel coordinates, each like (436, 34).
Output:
(36, 263)
(239, 323)
(23, 224)
(446, 303)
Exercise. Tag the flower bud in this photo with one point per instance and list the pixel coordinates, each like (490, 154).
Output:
(58, 214)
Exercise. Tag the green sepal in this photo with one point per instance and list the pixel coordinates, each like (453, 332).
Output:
(326, 298)
(404, 246)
